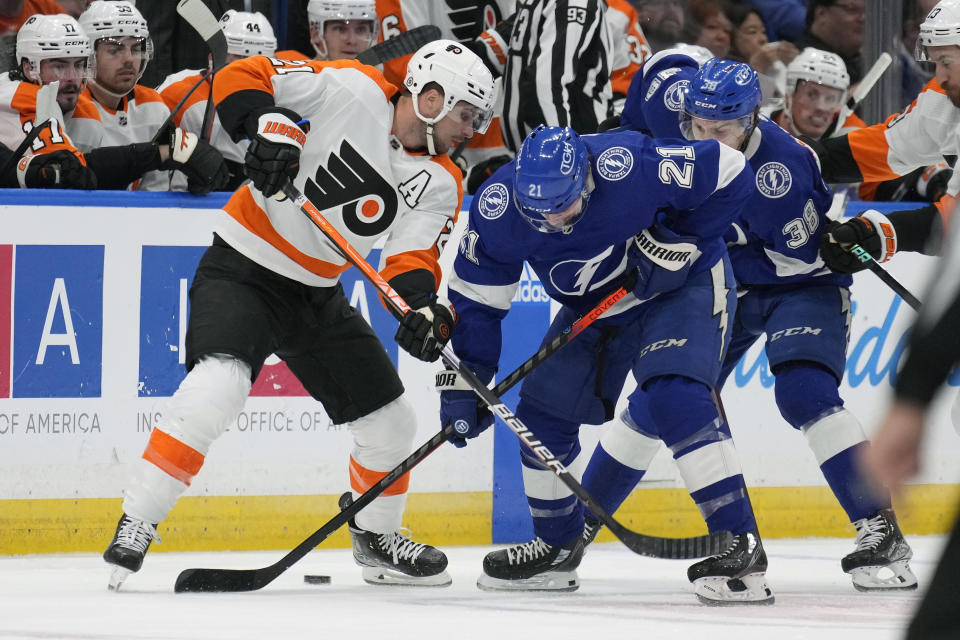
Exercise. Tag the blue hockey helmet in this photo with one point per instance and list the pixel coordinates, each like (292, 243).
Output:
(551, 174)
(721, 90)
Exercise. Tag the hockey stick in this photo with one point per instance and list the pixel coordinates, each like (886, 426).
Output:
(223, 580)
(866, 84)
(656, 547)
(46, 111)
(173, 112)
(864, 256)
(400, 45)
(198, 16)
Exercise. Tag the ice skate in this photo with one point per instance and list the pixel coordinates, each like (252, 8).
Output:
(532, 566)
(395, 559)
(736, 576)
(130, 543)
(591, 529)
(880, 561)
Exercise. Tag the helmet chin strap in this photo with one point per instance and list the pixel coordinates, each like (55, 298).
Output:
(118, 96)
(431, 145)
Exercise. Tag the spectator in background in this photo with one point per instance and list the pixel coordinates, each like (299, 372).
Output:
(663, 22)
(770, 59)
(715, 30)
(784, 19)
(74, 7)
(13, 13)
(914, 76)
(837, 26)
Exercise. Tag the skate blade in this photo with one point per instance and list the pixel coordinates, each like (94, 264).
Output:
(751, 589)
(384, 576)
(117, 576)
(549, 581)
(896, 576)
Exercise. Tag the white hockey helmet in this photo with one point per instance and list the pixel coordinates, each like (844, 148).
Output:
(248, 34)
(116, 19)
(820, 67)
(50, 36)
(695, 51)
(461, 75)
(320, 11)
(940, 27)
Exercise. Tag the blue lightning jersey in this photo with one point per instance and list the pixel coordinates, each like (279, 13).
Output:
(694, 188)
(775, 239)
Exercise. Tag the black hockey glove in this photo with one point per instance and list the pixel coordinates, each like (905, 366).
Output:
(55, 170)
(203, 165)
(483, 170)
(273, 157)
(932, 182)
(872, 230)
(424, 332)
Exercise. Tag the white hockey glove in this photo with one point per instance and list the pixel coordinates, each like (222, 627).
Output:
(203, 165)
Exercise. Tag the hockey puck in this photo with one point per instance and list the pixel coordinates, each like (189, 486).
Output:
(313, 579)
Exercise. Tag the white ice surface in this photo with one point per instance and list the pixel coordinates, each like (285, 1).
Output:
(622, 596)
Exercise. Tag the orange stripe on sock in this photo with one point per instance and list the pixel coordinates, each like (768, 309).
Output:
(172, 456)
(362, 479)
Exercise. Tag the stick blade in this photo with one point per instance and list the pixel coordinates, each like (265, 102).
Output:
(199, 16)
(221, 580)
(675, 548)
(404, 44)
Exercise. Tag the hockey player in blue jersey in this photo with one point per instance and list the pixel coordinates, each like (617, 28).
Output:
(785, 292)
(589, 214)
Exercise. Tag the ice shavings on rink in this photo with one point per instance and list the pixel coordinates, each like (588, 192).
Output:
(621, 596)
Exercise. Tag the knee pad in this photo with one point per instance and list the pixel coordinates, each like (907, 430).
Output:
(383, 438)
(628, 445)
(679, 407)
(804, 391)
(207, 401)
(835, 431)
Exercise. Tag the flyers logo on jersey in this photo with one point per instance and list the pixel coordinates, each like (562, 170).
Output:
(369, 202)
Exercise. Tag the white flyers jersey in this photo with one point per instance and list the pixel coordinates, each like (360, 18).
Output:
(140, 115)
(18, 112)
(352, 169)
(922, 134)
(190, 115)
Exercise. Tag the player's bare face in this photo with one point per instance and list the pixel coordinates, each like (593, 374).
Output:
(729, 132)
(455, 127)
(814, 107)
(118, 63)
(71, 73)
(947, 61)
(346, 38)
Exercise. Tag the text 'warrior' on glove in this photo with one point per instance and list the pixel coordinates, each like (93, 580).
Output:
(663, 260)
(203, 165)
(273, 157)
(461, 407)
(872, 230)
(425, 331)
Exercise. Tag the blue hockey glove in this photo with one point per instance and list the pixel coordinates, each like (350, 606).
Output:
(663, 260)
(462, 408)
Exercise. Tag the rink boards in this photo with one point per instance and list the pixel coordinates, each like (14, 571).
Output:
(93, 310)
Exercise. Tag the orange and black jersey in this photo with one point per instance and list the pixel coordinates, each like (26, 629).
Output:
(352, 168)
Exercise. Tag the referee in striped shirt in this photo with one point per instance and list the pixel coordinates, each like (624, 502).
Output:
(558, 68)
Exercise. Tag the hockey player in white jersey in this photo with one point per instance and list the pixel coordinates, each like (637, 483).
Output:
(786, 292)
(248, 34)
(115, 110)
(568, 206)
(340, 29)
(270, 282)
